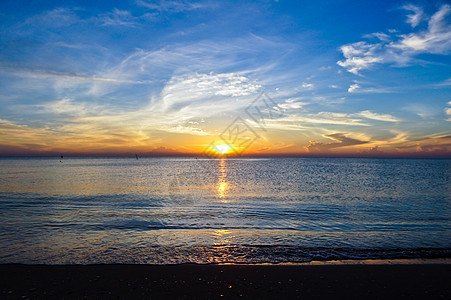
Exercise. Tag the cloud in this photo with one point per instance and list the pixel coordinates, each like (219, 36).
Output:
(448, 111)
(423, 110)
(180, 108)
(437, 39)
(360, 55)
(417, 14)
(297, 122)
(7, 126)
(353, 87)
(209, 92)
(308, 86)
(379, 35)
(436, 145)
(379, 117)
(400, 49)
(202, 56)
(341, 141)
(119, 18)
(67, 106)
(373, 151)
(173, 6)
(446, 82)
(59, 17)
(71, 77)
(292, 103)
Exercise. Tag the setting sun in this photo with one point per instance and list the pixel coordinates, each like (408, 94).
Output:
(223, 148)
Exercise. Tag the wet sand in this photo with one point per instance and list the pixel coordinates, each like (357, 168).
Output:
(343, 281)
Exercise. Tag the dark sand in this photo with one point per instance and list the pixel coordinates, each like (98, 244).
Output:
(230, 281)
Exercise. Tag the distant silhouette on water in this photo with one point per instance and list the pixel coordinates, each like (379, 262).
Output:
(61, 158)
(136, 156)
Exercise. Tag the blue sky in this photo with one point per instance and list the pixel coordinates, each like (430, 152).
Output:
(119, 77)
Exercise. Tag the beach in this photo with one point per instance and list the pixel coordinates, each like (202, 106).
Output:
(190, 281)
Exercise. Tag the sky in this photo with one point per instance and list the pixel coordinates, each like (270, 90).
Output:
(252, 78)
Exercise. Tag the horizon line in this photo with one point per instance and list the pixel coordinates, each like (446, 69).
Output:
(323, 155)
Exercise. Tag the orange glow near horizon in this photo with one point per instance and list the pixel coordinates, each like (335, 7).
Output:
(277, 145)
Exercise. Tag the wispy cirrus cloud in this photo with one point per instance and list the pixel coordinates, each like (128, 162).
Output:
(423, 110)
(309, 120)
(201, 56)
(72, 77)
(58, 17)
(376, 116)
(400, 49)
(203, 95)
(173, 5)
(119, 18)
(416, 15)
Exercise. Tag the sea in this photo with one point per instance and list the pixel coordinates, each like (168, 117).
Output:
(223, 210)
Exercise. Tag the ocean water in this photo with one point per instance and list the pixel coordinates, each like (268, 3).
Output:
(247, 210)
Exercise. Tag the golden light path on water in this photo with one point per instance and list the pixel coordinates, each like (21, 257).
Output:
(222, 183)
(222, 236)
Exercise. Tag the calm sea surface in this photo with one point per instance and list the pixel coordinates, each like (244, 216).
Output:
(178, 210)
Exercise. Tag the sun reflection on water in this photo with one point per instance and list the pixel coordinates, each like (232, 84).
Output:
(222, 183)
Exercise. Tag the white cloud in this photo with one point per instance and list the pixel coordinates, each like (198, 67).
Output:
(353, 87)
(69, 77)
(68, 106)
(422, 110)
(204, 95)
(206, 88)
(59, 17)
(182, 58)
(437, 39)
(448, 111)
(332, 118)
(376, 116)
(119, 18)
(417, 14)
(380, 35)
(292, 103)
(360, 55)
(401, 49)
(446, 82)
(171, 5)
(307, 86)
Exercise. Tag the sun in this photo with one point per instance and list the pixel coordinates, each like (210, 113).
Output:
(223, 148)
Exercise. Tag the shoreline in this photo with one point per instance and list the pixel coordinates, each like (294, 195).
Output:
(339, 279)
(396, 261)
